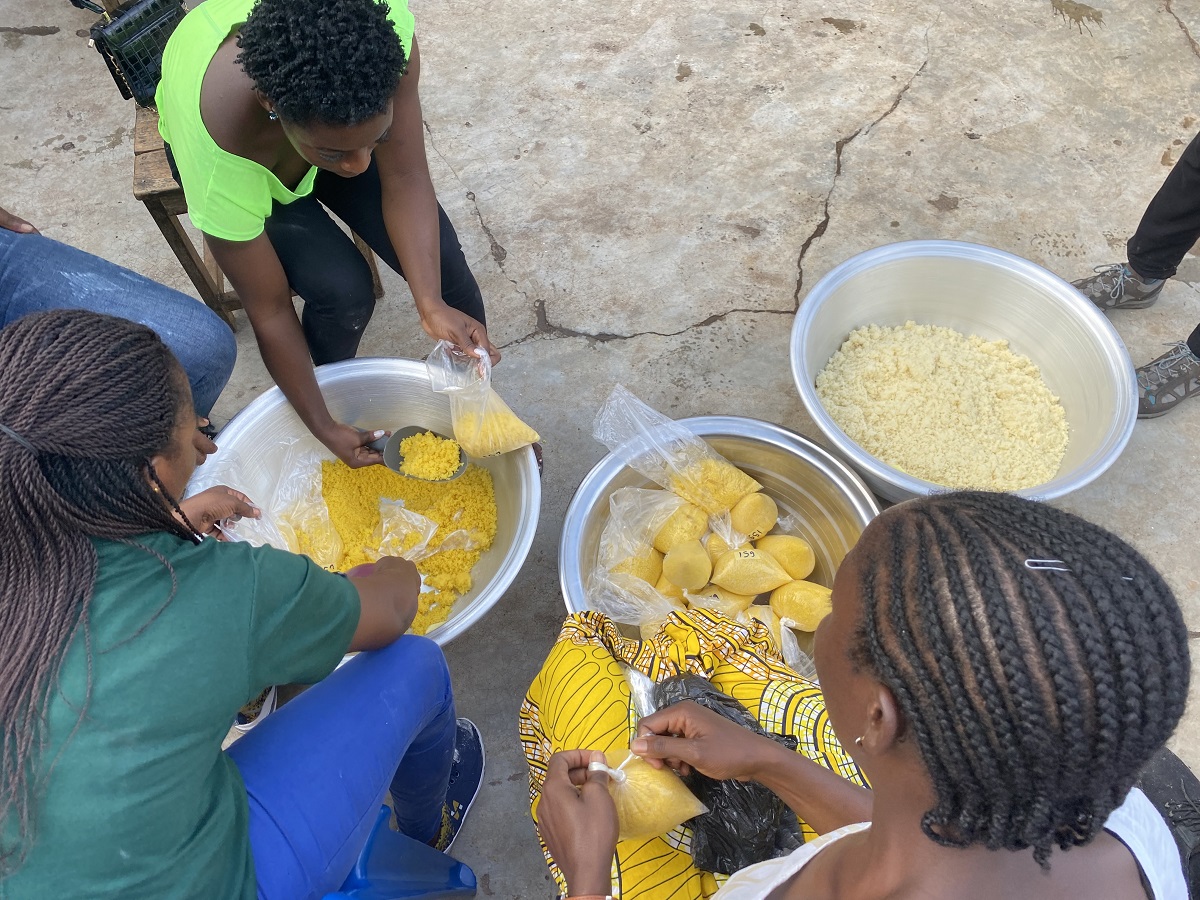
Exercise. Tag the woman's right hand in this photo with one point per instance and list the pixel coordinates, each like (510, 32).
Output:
(687, 736)
(577, 819)
(349, 444)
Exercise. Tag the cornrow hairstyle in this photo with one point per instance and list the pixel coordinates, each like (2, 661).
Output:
(332, 63)
(1039, 661)
(90, 399)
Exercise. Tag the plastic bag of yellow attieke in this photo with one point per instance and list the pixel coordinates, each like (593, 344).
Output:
(582, 699)
(483, 423)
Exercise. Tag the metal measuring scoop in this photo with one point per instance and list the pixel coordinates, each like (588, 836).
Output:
(390, 448)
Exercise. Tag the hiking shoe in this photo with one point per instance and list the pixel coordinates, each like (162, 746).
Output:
(1116, 286)
(466, 775)
(1164, 382)
(1175, 793)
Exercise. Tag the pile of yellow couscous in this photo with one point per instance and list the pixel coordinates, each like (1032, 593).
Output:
(430, 457)
(468, 503)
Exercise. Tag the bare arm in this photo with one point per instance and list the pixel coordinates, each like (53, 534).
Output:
(388, 593)
(256, 274)
(410, 213)
(688, 736)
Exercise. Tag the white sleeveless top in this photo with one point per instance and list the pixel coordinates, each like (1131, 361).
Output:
(1135, 823)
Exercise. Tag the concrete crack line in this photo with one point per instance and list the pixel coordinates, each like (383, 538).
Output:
(545, 329)
(1187, 34)
(840, 146)
(499, 254)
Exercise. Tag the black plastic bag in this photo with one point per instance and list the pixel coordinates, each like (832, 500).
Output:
(745, 823)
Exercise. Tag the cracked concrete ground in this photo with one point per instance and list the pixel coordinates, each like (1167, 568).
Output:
(646, 192)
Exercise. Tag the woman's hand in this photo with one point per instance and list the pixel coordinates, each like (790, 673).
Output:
(15, 223)
(349, 444)
(445, 323)
(578, 821)
(687, 736)
(208, 508)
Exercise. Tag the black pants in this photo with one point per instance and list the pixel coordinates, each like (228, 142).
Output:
(325, 268)
(1170, 225)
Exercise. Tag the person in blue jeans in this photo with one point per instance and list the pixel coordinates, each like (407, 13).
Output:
(129, 642)
(37, 274)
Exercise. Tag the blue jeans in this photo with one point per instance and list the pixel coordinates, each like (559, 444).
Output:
(316, 770)
(39, 274)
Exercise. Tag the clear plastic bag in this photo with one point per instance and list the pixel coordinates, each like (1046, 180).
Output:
(649, 801)
(627, 566)
(294, 515)
(669, 454)
(483, 423)
(745, 822)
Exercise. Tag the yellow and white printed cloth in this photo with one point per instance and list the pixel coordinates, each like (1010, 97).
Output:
(581, 699)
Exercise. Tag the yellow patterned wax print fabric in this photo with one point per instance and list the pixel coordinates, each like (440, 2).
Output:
(581, 699)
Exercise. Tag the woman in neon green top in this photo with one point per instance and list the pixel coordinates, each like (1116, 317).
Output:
(271, 109)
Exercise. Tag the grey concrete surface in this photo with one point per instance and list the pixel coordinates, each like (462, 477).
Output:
(647, 191)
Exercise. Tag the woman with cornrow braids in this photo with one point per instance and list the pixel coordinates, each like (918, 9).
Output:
(129, 639)
(1001, 671)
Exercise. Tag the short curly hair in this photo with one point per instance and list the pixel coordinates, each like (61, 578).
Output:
(332, 63)
(1039, 660)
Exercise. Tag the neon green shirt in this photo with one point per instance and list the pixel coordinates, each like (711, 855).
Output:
(228, 196)
(141, 801)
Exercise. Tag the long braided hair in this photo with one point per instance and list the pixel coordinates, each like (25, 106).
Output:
(85, 401)
(1039, 661)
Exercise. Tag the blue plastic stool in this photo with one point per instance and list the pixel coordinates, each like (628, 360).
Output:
(393, 866)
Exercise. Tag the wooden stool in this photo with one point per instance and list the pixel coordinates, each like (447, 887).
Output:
(154, 186)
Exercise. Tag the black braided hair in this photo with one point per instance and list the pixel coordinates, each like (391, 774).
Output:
(92, 398)
(320, 62)
(1035, 695)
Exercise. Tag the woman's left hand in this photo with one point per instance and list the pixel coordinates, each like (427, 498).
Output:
(578, 821)
(208, 508)
(445, 323)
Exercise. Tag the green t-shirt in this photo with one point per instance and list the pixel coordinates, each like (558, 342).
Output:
(141, 802)
(227, 195)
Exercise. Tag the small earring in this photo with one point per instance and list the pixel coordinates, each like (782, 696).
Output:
(272, 115)
(858, 740)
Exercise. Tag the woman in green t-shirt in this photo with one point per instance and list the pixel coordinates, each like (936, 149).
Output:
(271, 109)
(128, 644)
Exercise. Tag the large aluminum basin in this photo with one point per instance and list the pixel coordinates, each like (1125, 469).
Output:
(388, 393)
(975, 290)
(830, 504)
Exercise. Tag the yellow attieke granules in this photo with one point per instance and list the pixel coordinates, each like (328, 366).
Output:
(956, 410)
(429, 457)
(467, 503)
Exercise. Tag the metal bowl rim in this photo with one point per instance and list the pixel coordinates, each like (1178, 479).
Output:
(608, 467)
(1114, 440)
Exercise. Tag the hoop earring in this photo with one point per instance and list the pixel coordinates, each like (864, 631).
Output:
(858, 740)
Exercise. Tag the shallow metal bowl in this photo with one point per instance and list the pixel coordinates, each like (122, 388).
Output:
(830, 504)
(388, 393)
(975, 290)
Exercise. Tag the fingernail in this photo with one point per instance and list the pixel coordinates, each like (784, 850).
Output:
(377, 434)
(639, 746)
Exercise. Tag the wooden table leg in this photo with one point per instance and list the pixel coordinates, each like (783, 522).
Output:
(193, 264)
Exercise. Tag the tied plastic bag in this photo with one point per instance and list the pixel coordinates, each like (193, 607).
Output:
(628, 566)
(402, 532)
(649, 801)
(669, 454)
(745, 823)
(483, 423)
